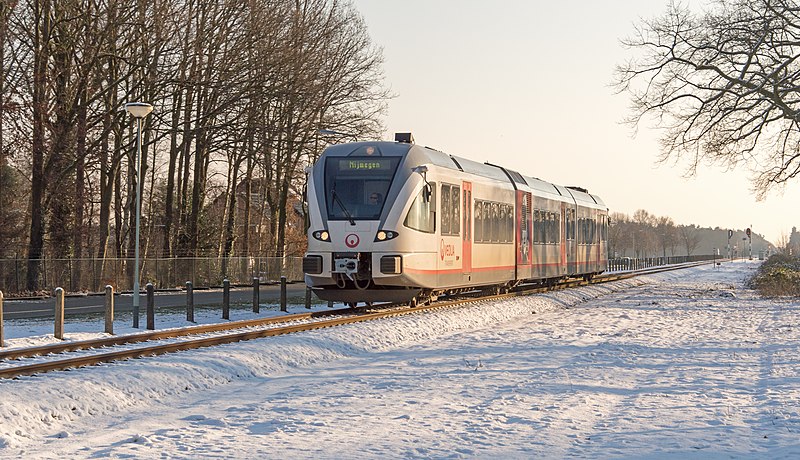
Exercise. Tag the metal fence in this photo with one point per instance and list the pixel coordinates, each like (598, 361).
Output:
(92, 275)
(634, 263)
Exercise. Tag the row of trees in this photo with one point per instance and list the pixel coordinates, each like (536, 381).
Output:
(241, 90)
(647, 235)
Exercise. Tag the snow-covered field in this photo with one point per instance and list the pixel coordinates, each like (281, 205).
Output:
(686, 363)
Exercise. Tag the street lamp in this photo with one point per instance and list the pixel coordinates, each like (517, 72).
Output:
(331, 132)
(139, 110)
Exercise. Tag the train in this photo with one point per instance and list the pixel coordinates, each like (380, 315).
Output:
(400, 222)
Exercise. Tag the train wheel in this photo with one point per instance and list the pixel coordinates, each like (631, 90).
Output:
(413, 302)
(352, 304)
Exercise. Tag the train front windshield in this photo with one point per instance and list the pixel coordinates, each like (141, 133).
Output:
(356, 187)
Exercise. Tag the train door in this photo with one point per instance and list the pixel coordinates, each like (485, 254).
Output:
(572, 243)
(597, 240)
(524, 235)
(562, 270)
(466, 238)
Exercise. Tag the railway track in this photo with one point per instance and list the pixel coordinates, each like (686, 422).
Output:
(33, 360)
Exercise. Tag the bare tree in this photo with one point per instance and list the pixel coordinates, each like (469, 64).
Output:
(690, 237)
(723, 86)
(783, 243)
(665, 233)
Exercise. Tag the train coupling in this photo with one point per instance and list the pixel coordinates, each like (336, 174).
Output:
(346, 266)
(354, 266)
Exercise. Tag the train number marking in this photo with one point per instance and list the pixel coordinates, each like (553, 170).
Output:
(352, 240)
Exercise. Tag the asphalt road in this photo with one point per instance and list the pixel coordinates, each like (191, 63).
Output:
(95, 303)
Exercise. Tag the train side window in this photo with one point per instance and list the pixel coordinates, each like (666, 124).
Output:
(509, 224)
(477, 228)
(501, 210)
(450, 210)
(421, 215)
(446, 211)
(494, 222)
(504, 220)
(547, 227)
(487, 222)
(556, 229)
(455, 200)
(570, 224)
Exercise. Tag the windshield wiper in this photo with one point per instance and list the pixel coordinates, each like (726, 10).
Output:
(341, 205)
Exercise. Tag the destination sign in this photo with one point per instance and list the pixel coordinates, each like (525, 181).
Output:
(365, 164)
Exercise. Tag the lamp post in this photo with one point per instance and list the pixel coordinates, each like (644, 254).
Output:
(139, 110)
(331, 132)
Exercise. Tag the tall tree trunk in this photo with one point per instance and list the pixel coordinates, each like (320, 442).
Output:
(79, 229)
(40, 57)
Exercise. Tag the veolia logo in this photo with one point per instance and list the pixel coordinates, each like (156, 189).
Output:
(351, 240)
(446, 250)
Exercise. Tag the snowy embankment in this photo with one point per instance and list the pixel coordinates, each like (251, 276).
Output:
(676, 363)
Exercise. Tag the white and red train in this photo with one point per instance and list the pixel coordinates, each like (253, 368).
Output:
(395, 221)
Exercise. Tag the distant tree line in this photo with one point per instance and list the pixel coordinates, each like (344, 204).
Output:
(647, 235)
(241, 90)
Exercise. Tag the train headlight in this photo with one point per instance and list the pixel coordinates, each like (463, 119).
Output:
(322, 235)
(384, 235)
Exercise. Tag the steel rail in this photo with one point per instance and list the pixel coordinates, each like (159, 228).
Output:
(153, 350)
(166, 334)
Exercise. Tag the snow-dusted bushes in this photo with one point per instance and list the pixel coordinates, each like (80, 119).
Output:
(778, 276)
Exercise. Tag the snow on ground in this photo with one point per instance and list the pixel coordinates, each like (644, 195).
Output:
(685, 363)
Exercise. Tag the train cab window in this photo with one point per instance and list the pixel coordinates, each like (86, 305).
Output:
(351, 182)
(421, 215)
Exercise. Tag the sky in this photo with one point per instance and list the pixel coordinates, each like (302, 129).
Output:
(682, 364)
(528, 85)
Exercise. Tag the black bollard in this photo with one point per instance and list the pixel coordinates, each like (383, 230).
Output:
(255, 295)
(226, 299)
(308, 297)
(189, 302)
(283, 293)
(151, 307)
